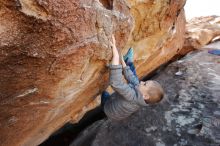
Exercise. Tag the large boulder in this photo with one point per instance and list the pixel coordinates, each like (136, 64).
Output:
(188, 116)
(53, 56)
(200, 31)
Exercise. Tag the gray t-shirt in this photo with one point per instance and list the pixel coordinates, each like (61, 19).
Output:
(127, 98)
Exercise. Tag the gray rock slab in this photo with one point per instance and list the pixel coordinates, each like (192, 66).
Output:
(189, 115)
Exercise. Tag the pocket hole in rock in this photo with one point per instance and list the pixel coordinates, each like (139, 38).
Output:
(108, 4)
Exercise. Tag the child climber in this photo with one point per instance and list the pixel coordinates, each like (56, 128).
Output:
(128, 97)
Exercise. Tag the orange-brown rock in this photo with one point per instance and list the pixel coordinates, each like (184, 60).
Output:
(200, 31)
(54, 53)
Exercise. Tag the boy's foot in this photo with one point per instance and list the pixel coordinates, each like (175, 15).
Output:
(129, 57)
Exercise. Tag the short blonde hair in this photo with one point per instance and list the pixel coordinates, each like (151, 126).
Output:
(155, 92)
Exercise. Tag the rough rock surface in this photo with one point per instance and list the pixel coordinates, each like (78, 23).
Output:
(200, 31)
(53, 55)
(189, 116)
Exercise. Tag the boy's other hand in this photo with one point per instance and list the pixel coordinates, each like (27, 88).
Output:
(113, 40)
(115, 54)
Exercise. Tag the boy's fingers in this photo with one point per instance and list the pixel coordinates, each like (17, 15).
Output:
(113, 36)
(113, 39)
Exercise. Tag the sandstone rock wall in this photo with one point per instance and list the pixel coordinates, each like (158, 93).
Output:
(53, 55)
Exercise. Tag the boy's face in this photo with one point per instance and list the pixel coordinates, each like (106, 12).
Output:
(144, 87)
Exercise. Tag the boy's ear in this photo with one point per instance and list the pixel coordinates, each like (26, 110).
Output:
(146, 96)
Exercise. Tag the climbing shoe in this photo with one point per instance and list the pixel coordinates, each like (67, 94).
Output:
(129, 57)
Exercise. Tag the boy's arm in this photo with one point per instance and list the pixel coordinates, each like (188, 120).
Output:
(128, 74)
(115, 75)
(117, 83)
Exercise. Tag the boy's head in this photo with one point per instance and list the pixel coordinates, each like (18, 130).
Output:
(152, 91)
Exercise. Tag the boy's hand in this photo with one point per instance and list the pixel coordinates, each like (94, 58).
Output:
(116, 57)
(122, 61)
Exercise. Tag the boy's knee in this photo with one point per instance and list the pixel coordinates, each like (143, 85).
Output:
(105, 94)
(104, 97)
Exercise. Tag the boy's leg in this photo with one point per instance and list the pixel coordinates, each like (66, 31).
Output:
(132, 67)
(129, 59)
(104, 97)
